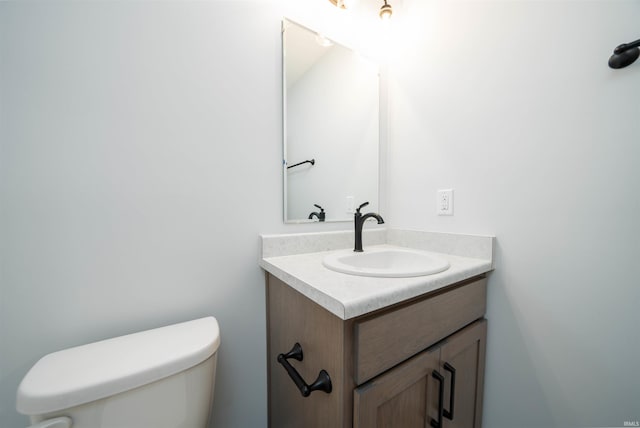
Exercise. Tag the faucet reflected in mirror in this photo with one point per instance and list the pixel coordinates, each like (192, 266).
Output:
(358, 222)
(319, 215)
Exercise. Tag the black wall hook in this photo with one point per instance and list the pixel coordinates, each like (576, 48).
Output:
(625, 54)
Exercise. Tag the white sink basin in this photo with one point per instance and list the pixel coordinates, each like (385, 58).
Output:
(386, 263)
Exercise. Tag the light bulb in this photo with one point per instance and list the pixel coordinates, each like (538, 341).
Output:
(386, 11)
(323, 41)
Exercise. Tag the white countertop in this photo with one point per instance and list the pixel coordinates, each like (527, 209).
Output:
(348, 296)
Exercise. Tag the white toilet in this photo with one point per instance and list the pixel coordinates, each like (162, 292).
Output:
(160, 378)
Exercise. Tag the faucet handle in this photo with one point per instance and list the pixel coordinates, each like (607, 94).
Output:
(362, 206)
(318, 206)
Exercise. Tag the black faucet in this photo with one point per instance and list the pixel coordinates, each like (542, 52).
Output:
(320, 215)
(358, 220)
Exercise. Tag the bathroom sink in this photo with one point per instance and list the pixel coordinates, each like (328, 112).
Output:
(386, 263)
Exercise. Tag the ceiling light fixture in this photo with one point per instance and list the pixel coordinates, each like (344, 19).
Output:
(338, 3)
(386, 11)
(323, 41)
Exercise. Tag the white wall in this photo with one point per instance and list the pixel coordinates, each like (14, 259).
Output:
(512, 105)
(140, 150)
(140, 157)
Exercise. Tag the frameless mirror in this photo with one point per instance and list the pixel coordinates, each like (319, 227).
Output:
(331, 127)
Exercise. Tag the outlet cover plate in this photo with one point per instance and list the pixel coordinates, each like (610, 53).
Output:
(444, 204)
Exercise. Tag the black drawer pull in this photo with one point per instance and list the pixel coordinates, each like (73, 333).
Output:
(452, 393)
(438, 423)
(322, 383)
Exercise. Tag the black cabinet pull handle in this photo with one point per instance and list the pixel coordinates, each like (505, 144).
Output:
(438, 423)
(452, 393)
(322, 382)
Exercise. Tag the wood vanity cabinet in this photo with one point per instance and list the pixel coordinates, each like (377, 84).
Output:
(386, 367)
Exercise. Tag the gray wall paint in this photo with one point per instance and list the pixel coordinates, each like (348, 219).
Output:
(512, 105)
(140, 158)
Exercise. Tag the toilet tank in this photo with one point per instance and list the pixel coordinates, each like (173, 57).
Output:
(157, 378)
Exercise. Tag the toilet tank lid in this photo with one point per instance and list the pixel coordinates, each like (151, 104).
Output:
(90, 372)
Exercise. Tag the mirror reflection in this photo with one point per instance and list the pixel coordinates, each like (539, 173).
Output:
(331, 121)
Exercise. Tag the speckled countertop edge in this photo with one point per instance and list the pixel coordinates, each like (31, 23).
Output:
(350, 296)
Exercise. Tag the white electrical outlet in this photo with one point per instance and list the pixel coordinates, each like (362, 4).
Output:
(444, 203)
(350, 207)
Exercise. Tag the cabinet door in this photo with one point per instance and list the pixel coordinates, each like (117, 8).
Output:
(464, 352)
(405, 396)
